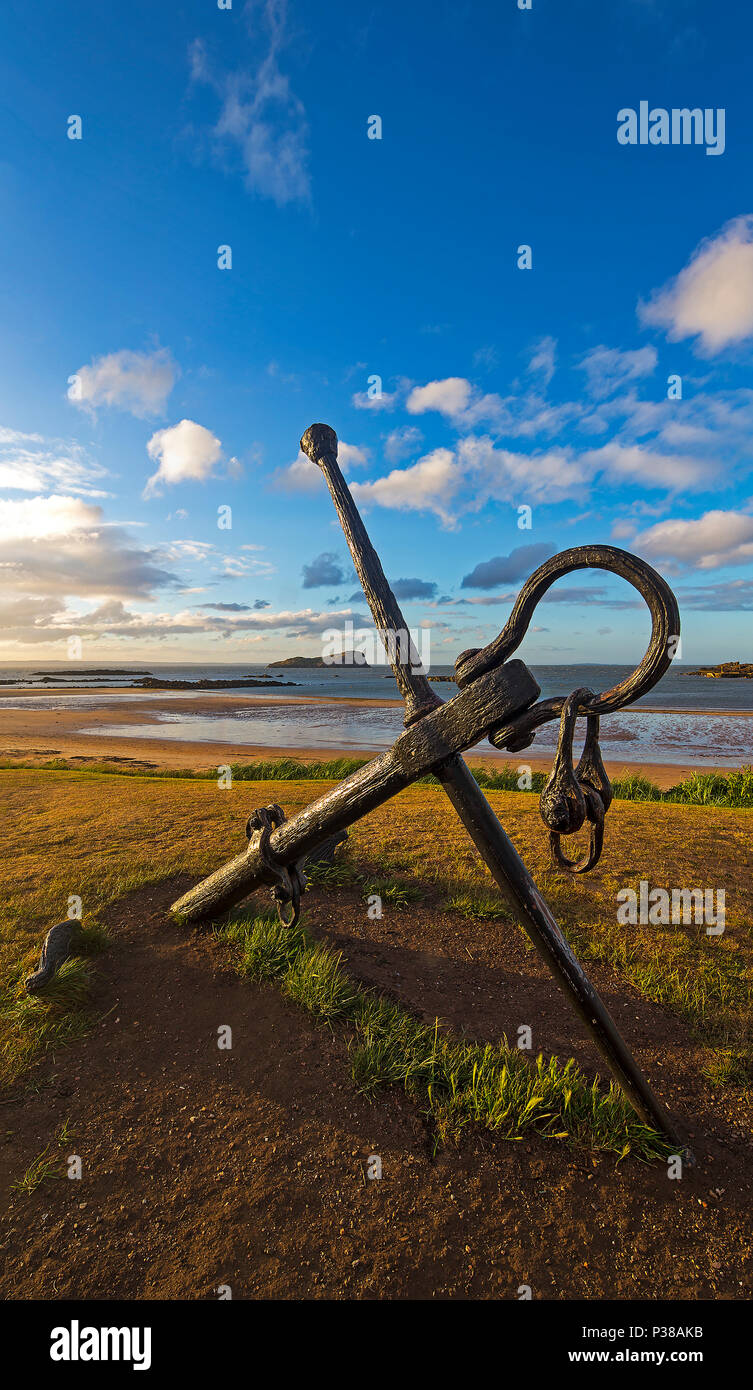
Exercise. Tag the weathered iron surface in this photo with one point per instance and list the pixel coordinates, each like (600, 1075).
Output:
(496, 701)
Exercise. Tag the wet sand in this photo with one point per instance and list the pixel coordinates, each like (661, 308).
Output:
(37, 735)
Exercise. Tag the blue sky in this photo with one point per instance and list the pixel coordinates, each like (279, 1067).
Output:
(142, 387)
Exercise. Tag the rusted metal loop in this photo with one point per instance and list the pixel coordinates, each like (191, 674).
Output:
(562, 802)
(665, 631)
(280, 902)
(572, 796)
(595, 816)
(591, 771)
(290, 878)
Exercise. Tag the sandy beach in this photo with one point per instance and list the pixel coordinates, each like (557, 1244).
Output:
(80, 735)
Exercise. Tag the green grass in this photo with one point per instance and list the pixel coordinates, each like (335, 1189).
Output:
(342, 873)
(34, 1024)
(392, 892)
(734, 788)
(46, 1165)
(456, 1084)
(480, 906)
(729, 1066)
(339, 874)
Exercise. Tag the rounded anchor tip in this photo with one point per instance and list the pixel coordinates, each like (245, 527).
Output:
(318, 441)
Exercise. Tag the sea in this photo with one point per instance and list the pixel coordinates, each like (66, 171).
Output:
(685, 719)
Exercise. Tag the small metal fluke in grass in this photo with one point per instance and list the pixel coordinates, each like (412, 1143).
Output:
(498, 700)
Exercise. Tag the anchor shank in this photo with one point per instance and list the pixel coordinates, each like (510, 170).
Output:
(320, 443)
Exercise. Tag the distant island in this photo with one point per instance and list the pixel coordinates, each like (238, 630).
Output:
(731, 670)
(95, 671)
(346, 659)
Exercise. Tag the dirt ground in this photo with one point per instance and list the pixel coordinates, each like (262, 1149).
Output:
(247, 1167)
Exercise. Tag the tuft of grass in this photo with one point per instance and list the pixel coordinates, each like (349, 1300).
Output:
(91, 940)
(315, 981)
(456, 1084)
(633, 786)
(508, 779)
(292, 770)
(480, 906)
(34, 1024)
(734, 788)
(46, 1165)
(390, 891)
(340, 874)
(729, 1066)
(267, 948)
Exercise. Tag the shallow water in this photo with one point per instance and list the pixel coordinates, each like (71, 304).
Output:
(637, 736)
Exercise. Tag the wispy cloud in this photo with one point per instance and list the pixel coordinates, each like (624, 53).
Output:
(304, 476)
(31, 463)
(260, 117)
(609, 370)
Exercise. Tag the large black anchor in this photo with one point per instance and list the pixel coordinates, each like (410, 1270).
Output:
(498, 700)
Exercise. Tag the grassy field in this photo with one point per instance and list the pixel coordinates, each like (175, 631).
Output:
(97, 836)
(733, 788)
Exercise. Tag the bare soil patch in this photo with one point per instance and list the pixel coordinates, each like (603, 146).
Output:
(204, 1167)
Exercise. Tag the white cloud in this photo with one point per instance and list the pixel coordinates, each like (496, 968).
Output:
(525, 414)
(648, 466)
(450, 397)
(304, 476)
(385, 400)
(38, 518)
(61, 545)
(428, 485)
(507, 476)
(185, 451)
(351, 456)
(139, 382)
(712, 297)
(715, 539)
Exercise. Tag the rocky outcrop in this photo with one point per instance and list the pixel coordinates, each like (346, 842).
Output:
(731, 670)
